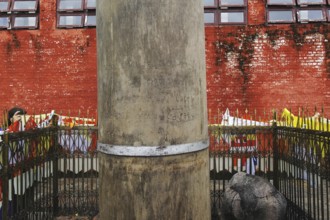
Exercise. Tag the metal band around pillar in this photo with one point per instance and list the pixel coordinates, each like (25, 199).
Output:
(150, 151)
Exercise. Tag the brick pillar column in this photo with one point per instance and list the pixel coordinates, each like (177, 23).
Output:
(153, 141)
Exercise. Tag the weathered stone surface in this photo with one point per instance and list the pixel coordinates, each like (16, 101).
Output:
(249, 197)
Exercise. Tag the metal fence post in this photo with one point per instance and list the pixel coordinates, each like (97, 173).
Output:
(275, 152)
(4, 174)
(55, 172)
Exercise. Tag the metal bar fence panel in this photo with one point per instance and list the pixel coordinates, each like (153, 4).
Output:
(238, 149)
(295, 160)
(77, 171)
(304, 168)
(26, 171)
(4, 177)
(49, 172)
(54, 171)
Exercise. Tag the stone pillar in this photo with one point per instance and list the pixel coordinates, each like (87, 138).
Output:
(153, 140)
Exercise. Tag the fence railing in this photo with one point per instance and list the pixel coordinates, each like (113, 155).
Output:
(296, 161)
(304, 171)
(54, 171)
(49, 172)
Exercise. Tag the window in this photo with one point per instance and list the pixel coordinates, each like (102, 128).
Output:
(90, 4)
(19, 14)
(231, 17)
(25, 21)
(225, 12)
(210, 3)
(311, 2)
(23, 5)
(232, 3)
(4, 22)
(308, 15)
(303, 11)
(70, 5)
(281, 16)
(70, 20)
(76, 13)
(209, 18)
(90, 20)
(4, 5)
(281, 2)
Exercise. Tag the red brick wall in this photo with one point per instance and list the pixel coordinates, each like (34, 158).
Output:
(248, 67)
(48, 68)
(264, 67)
(268, 67)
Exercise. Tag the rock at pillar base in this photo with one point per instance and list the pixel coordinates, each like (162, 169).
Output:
(249, 197)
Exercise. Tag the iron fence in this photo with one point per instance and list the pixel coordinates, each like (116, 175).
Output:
(296, 161)
(304, 172)
(238, 149)
(54, 171)
(49, 172)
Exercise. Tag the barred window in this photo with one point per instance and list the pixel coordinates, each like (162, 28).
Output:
(76, 13)
(302, 11)
(225, 12)
(19, 14)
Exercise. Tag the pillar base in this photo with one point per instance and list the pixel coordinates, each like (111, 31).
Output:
(166, 187)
